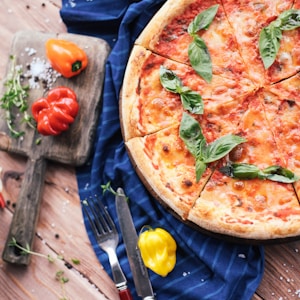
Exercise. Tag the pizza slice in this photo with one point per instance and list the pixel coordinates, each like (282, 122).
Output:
(284, 114)
(167, 169)
(248, 18)
(167, 35)
(249, 208)
(146, 106)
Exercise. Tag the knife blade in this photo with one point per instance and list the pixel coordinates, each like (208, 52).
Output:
(139, 272)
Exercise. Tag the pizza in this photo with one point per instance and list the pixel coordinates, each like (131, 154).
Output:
(210, 109)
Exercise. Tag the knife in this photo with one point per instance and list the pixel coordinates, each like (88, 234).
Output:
(139, 272)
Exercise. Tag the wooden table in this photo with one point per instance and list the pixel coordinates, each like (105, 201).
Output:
(60, 229)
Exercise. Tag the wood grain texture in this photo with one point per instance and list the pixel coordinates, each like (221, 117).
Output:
(60, 228)
(70, 147)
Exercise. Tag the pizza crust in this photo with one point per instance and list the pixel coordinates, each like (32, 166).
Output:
(129, 96)
(164, 16)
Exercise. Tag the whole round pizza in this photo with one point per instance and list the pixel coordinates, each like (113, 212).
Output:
(210, 113)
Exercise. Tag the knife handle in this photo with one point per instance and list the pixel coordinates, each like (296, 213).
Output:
(125, 294)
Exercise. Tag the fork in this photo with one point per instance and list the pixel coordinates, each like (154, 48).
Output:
(107, 237)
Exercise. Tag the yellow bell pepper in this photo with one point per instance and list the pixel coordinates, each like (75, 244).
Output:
(158, 250)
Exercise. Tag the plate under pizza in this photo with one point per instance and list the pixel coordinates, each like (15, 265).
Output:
(239, 99)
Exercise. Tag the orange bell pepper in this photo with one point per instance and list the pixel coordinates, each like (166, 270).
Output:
(55, 113)
(66, 57)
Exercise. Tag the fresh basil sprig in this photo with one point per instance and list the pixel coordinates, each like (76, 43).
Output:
(250, 171)
(191, 100)
(198, 53)
(190, 132)
(271, 35)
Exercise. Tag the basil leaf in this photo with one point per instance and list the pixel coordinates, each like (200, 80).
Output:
(200, 169)
(289, 19)
(169, 80)
(269, 43)
(271, 35)
(241, 171)
(250, 171)
(222, 146)
(280, 174)
(200, 58)
(192, 101)
(190, 132)
(203, 20)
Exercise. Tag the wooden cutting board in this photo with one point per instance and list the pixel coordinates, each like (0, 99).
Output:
(72, 147)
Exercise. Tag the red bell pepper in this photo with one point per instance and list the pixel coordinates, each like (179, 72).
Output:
(56, 112)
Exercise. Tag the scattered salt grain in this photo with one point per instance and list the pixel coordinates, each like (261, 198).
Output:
(241, 255)
(40, 71)
(72, 3)
(30, 51)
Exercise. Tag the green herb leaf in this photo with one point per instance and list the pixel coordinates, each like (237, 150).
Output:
(203, 20)
(169, 80)
(14, 100)
(198, 53)
(241, 171)
(289, 19)
(191, 134)
(269, 43)
(200, 58)
(222, 146)
(250, 171)
(271, 35)
(191, 100)
(200, 169)
(280, 174)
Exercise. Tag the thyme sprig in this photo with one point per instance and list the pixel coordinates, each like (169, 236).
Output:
(15, 98)
(26, 250)
(59, 275)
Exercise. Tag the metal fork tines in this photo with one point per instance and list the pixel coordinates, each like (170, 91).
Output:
(107, 237)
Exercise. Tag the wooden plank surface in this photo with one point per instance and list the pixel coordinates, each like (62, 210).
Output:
(60, 228)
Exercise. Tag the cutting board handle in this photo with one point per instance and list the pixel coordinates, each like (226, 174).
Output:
(26, 212)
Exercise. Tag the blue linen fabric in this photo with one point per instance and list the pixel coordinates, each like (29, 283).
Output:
(206, 268)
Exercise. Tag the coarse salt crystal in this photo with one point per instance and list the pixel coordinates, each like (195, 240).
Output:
(30, 51)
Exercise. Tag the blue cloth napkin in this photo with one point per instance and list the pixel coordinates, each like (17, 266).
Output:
(206, 268)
